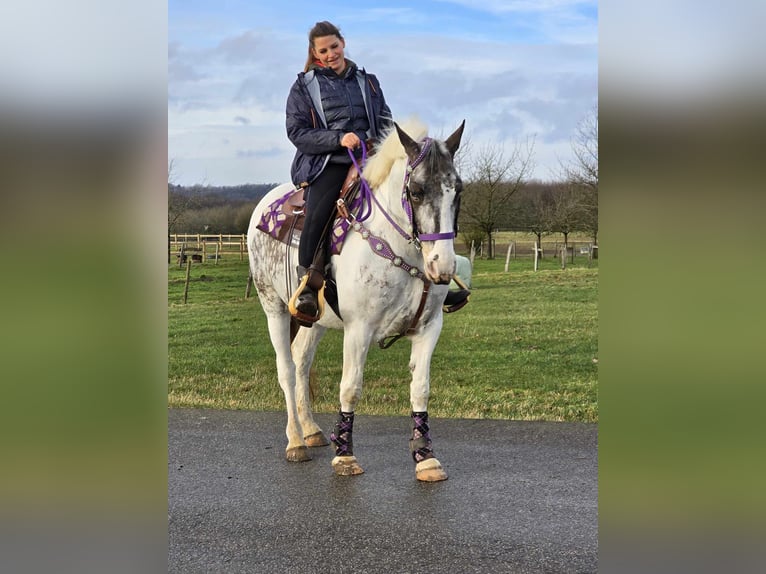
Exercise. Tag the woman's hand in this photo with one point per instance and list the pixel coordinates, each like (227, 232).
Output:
(350, 140)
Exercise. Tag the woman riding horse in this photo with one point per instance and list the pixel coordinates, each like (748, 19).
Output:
(332, 107)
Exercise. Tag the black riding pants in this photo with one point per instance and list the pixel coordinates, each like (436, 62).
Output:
(320, 202)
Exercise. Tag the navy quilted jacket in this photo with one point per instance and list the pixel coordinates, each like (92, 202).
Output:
(323, 106)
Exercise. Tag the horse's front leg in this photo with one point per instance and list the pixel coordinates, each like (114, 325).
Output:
(356, 343)
(427, 466)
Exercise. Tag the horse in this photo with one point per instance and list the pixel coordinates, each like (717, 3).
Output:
(392, 274)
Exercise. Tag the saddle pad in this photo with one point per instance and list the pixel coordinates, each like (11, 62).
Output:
(278, 219)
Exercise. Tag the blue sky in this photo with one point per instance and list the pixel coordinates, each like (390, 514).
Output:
(514, 70)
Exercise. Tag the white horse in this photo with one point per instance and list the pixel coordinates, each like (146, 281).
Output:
(392, 276)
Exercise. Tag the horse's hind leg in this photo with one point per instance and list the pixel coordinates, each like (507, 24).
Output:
(303, 350)
(279, 330)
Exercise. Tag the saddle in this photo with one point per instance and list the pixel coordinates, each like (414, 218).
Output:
(284, 221)
(289, 217)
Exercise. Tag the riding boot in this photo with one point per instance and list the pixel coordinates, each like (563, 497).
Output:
(456, 300)
(307, 302)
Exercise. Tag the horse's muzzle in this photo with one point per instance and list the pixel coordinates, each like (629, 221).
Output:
(437, 274)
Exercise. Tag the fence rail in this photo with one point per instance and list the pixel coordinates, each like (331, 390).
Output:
(202, 247)
(526, 248)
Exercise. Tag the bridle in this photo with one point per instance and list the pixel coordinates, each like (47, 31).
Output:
(379, 245)
(407, 201)
(414, 237)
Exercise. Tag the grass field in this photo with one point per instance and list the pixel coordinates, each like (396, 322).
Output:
(525, 347)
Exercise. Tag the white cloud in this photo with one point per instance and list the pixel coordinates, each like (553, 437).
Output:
(506, 90)
(547, 7)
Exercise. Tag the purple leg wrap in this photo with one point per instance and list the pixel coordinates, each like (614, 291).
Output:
(341, 434)
(420, 444)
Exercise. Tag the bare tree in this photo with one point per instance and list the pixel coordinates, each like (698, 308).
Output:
(493, 179)
(181, 200)
(534, 208)
(582, 171)
(565, 213)
(178, 203)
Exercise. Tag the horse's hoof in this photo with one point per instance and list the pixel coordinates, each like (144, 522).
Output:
(316, 439)
(346, 466)
(430, 470)
(298, 454)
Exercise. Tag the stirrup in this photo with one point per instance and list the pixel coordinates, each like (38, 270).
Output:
(455, 300)
(302, 318)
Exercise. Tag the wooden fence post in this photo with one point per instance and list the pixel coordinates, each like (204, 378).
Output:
(473, 253)
(188, 272)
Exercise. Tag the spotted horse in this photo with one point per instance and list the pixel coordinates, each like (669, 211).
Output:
(391, 272)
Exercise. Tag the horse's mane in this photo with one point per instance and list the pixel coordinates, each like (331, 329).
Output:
(386, 153)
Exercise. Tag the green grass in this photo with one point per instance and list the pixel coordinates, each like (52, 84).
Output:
(524, 348)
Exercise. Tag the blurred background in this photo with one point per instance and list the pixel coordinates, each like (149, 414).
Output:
(82, 349)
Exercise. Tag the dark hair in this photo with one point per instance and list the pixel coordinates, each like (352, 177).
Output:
(320, 29)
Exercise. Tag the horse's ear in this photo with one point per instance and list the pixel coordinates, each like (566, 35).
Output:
(453, 142)
(410, 145)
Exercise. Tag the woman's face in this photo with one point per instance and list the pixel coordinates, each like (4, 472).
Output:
(329, 51)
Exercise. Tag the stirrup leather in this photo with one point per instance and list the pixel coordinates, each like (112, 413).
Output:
(302, 318)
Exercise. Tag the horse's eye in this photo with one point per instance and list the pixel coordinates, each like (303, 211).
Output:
(416, 192)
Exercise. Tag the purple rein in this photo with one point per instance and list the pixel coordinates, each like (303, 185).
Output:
(365, 190)
(367, 194)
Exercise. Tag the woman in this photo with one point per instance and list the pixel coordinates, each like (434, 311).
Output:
(332, 107)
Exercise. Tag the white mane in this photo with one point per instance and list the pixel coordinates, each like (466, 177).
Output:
(379, 165)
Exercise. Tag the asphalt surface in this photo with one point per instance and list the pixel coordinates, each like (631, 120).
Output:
(521, 497)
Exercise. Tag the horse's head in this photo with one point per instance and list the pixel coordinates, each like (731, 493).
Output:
(433, 193)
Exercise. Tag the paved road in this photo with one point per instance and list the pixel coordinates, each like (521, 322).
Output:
(521, 497)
